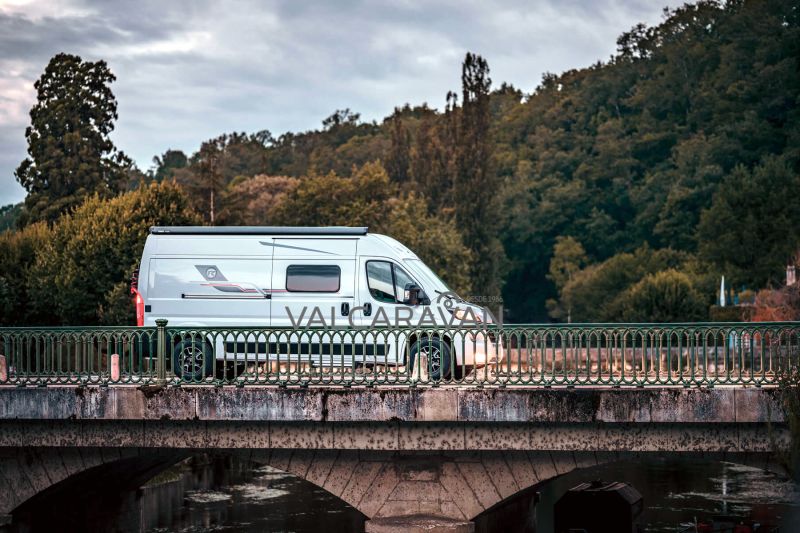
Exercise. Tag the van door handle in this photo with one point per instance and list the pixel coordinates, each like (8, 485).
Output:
(367, 309)
(345, 309)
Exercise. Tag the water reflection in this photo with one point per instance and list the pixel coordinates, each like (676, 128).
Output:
(205, 493)
(677, 491)
(221, 493)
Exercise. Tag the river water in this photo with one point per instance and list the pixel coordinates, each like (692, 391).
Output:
(218, 493)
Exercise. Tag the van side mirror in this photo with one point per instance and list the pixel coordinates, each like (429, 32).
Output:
(414, 295)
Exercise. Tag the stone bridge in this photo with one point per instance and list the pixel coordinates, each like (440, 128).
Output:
(431, 459)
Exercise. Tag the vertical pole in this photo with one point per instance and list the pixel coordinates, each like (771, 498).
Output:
(161, 341)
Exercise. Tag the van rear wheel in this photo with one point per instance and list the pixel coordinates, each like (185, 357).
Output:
(193, 359)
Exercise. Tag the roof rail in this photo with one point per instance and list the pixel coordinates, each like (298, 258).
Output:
(257, 230)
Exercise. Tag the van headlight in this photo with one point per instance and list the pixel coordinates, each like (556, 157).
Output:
(463, 315)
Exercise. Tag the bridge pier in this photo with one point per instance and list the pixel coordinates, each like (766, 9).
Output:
(418, 524)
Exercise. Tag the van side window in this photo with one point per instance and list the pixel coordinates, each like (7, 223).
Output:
(313, 278)
(386, 281)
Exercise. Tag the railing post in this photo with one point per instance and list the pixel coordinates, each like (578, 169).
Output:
(161, 349)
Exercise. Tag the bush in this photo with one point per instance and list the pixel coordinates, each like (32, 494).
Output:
(598, 292)
(79, 272)
(18, 250)
(666, 296)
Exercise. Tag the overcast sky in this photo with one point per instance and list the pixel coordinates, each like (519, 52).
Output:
(188, 71)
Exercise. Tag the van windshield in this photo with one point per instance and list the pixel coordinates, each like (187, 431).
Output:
(430, 277)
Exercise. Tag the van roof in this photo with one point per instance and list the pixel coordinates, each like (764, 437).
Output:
(257, 230)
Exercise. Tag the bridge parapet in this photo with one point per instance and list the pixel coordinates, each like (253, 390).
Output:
(581, 355)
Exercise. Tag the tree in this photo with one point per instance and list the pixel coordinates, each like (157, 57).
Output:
(81, 272)
(9, 215)
(70, 153)
(476, 186)
(432, 162)
(397, 164)
(218, 162)
(165, 165)
(780, 305)
(598, 293)
(252, 201)
(748, 233)
(569, 258)
(666, 296)
(18, 251)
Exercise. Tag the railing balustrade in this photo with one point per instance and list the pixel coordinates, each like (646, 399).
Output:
(520, 355)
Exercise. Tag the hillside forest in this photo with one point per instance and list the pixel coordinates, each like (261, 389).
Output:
(618, 192)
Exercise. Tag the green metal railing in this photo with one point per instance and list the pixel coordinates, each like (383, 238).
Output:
(580, 355)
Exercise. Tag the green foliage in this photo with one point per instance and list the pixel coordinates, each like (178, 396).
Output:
(164, 166)
(212, 168)
(624, 153)
(569, 258)
(666, 296)
(679, 152)
(601, 292)
(252, 201)
(729, 313)
(749, 232)
(80, 271)
(432, 161)
(9, 215)
(475, 182)
(397, 163)
(328, 199)
(633, 151)
(117, 307)
(71, 154)
(18, 251)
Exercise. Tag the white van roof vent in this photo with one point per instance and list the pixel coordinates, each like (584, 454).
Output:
(257, 230)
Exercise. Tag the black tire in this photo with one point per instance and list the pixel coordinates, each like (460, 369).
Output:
(193, 359)
(438, 357)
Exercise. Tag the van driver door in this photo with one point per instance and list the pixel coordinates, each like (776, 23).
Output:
(381, 288)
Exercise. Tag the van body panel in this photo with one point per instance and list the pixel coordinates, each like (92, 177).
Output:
(218, 246)
(219, 291)
(308, 247)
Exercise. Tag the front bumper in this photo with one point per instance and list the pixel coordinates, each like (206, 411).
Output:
(480, 350)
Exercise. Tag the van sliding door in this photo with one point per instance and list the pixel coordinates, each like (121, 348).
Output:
(313, 291)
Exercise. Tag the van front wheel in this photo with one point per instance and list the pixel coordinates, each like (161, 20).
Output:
(192, 360)
(437, 354)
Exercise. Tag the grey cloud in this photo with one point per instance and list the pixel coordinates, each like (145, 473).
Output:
(191, 70)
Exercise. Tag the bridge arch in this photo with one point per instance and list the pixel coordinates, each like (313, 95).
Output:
(28, 475)
(457, 485)
(563, 465)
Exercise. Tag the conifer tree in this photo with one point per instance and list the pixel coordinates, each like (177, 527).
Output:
(70, 153)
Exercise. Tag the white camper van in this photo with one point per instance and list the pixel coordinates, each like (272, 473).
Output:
(289, 282)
